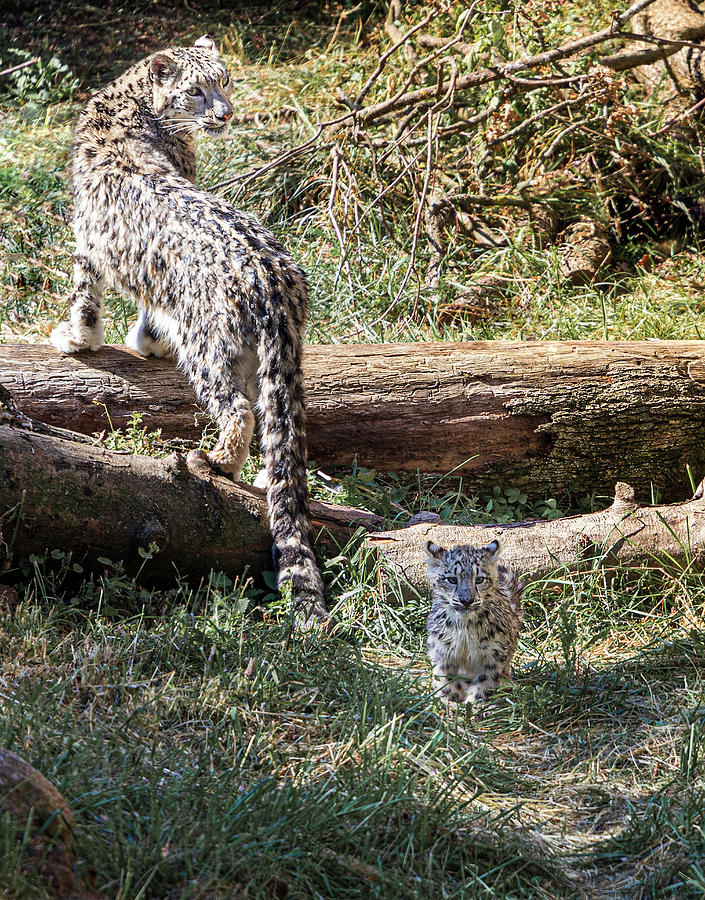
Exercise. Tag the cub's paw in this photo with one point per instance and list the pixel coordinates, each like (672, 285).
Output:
(454, 691)
(65, 338)
(313, 615)
(141, 342)
(476, 694)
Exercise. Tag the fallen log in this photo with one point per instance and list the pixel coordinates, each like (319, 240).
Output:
(56, 494)
(544, 416)
(624, 534)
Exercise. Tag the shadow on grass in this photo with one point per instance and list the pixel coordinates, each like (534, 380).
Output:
(312, 772)
(98, 42)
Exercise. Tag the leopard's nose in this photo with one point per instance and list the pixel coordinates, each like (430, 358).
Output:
(228, 116)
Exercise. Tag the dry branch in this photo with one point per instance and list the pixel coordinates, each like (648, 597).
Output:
(95, 503)
(547, 416)
(22, 65)
(625, 533)
(497, 73)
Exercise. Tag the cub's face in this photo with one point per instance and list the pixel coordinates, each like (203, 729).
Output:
(463, 577)
(191, 89)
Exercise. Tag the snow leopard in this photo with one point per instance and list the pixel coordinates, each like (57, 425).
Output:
(214, 287)
(474, 622)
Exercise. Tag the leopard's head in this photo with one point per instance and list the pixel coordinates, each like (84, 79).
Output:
(191, 89)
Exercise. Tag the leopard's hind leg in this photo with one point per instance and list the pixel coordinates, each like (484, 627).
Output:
(237, 425)
(224, 386)
(144, 339)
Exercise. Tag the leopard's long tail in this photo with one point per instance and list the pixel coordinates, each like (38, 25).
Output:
(283, 442)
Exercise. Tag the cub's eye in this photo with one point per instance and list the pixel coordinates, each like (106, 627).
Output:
(195, 92)
(480, 579)
(451, 579)
(225, 80)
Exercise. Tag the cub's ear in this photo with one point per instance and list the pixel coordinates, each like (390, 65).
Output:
(163, 69)
(207, 42)
(493, 550)
(433, 552)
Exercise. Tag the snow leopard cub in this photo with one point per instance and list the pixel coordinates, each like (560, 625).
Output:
(474, 621)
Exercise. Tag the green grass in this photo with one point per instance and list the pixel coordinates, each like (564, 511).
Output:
(208, 751)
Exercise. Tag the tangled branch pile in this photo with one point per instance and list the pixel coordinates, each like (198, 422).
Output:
(484, 128)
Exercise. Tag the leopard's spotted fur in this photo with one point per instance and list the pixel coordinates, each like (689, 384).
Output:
(214, 287)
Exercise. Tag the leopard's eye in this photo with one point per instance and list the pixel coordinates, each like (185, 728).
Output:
(451, 579)
(480, 579)
(195, 92)
(225, 80)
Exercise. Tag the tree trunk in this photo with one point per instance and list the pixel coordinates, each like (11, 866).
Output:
(545, 416)
(100, 504)
(625, 533)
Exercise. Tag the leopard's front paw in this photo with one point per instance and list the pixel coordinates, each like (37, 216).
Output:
(454, 691)
(67, 339)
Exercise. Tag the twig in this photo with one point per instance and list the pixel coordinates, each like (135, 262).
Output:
(306, 147)
(335, 156)
(395, 33)
(22, 65)
(564, 133)
(675, 44)
(547, 82)
(382, 62)
(391, 185)
(683, 115)
(417, 227)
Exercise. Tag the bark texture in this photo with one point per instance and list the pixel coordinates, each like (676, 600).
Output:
(625, 532)
(544, 416)
(98, 503)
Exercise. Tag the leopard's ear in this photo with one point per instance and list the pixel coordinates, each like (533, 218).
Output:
(163, 69)
(434, 553)
(207, 43)
(493, 550)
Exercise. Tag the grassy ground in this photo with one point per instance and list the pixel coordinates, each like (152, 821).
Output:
(209, 752)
